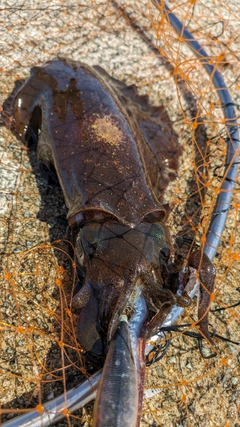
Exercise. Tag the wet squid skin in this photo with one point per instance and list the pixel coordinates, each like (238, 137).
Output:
(99, 146)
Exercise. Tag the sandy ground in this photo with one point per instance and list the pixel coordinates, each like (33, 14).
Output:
(183, 388)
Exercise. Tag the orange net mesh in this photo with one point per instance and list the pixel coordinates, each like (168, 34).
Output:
(39, 356)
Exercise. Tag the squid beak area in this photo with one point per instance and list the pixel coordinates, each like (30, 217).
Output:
(119, 397)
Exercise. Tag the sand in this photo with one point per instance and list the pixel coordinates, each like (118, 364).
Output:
(183, 388)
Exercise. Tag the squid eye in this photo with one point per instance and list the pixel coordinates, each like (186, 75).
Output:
(165, 253)
(79, 248)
